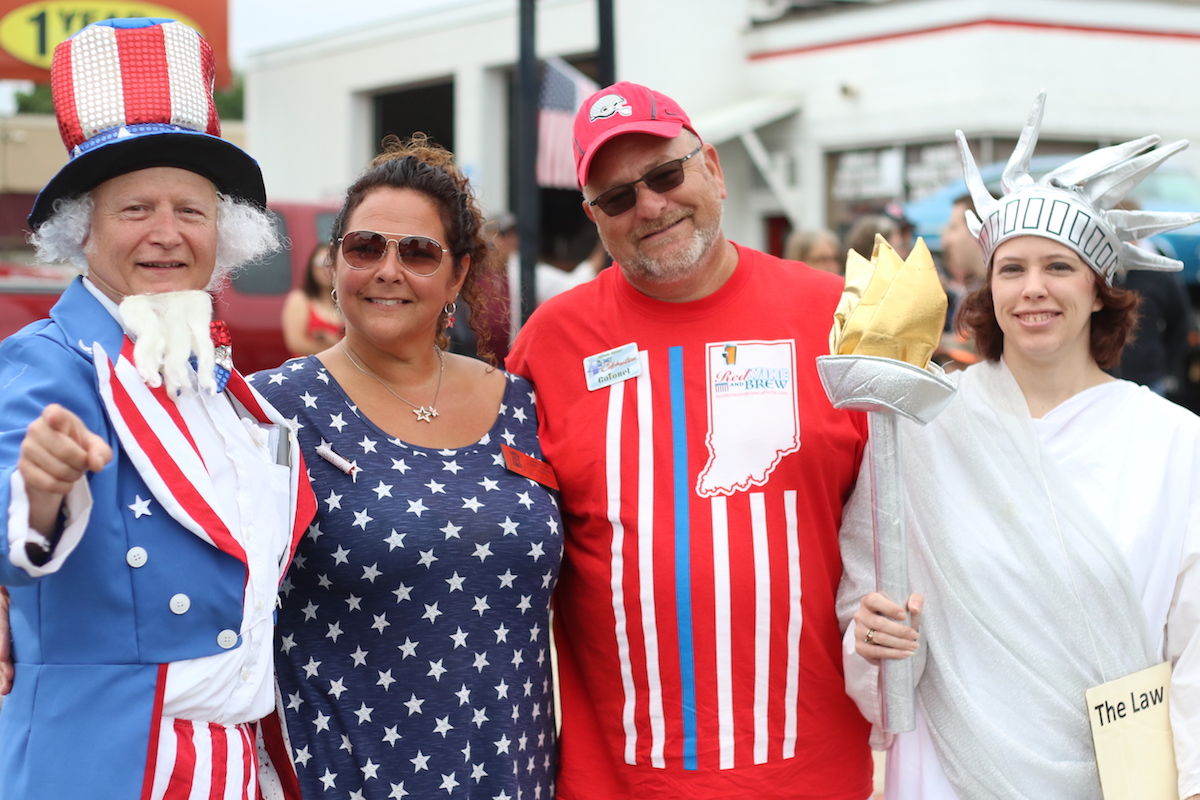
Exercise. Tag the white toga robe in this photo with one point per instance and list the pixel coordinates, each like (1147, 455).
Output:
(1054, 554)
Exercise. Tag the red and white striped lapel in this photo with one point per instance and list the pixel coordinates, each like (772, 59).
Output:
(161, 448)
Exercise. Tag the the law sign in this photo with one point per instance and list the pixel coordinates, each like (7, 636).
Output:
(29, 32)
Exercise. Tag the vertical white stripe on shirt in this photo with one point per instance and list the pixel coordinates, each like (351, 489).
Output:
(724, 631)
(795, 621)
(616, 397)
(762, 624)
(645, 422)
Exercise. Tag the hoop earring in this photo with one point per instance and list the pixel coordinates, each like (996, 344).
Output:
(449, 310)
(333, 297)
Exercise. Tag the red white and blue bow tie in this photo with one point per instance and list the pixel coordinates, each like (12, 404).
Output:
(222, 353)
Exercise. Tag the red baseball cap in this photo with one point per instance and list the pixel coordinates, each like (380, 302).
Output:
(623, 108)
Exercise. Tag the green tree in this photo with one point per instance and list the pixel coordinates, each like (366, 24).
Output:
(37, 101)
(230, 102)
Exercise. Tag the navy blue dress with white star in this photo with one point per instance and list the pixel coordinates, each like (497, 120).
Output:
(413, 635)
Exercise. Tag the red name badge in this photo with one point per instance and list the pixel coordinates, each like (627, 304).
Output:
(528, 466)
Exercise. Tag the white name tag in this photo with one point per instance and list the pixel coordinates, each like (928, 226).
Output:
(1131, 731)
(612, 366)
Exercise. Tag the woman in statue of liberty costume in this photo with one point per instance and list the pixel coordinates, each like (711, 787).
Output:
(1052, 512)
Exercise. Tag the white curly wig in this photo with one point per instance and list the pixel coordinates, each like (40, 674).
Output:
(245, 234)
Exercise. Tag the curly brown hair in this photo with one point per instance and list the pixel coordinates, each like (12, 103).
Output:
(1112, 326)
(422, 166)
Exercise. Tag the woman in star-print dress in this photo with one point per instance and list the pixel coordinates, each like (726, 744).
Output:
(413, 632)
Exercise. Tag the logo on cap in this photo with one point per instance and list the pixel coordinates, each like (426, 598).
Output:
(608, 106)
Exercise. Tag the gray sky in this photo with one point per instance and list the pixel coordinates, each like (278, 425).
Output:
(256, 25)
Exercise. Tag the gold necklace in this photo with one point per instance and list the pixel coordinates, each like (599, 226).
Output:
(424, 413)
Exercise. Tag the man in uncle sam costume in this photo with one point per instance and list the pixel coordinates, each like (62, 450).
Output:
(153, 498)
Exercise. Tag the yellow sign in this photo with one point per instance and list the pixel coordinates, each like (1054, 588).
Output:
(30, 33)
(1131, 730)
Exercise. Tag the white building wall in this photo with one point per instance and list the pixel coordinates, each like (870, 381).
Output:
(910, 71)
(692, 50)
(308, 107)
(915, 72)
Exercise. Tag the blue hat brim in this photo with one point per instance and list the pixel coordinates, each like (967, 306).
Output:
(230, 168)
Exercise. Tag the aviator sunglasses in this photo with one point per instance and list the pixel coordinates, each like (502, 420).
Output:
(659, 180)
(420, 255)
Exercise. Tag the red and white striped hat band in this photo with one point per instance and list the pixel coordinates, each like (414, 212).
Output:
(115, 77)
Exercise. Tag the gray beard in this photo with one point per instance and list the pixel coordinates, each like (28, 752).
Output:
(167, 329)
(657, 270)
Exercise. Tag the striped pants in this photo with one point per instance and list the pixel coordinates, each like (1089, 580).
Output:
(202, 761)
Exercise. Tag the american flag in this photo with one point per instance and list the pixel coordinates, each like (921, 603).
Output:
(563, 89)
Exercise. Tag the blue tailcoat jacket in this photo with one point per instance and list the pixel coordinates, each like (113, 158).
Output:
(91, 640)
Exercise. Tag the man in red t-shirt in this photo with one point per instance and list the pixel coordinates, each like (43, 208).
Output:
(703, 473)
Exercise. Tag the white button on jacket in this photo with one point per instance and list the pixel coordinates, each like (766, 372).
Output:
(180, 603)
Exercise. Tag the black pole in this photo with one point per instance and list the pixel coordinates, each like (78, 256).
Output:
(606, 57)
(529, 201)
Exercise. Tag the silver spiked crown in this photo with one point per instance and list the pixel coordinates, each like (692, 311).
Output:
(1073, 204)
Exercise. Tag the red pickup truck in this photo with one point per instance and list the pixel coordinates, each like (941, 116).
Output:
(252, 304)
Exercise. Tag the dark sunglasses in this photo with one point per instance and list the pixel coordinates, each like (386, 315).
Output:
(659, 180)
(420, 255)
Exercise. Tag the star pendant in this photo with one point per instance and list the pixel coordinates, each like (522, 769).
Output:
(425, 413)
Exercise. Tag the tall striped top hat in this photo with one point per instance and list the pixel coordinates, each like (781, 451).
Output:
(132, 94)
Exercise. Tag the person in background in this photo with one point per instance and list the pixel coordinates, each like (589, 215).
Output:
(861, 236)
(310, 318)
(819, 248)
(1157, 353)
(414, 655)
(552, 280)
(703, 472)
(152, 498)
(596, 260)
(963, 272)
(507, 243)
(549, 280)
(962, 261)
(502, 232)
(906, 229)
(497, 322)
(1069, 555)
